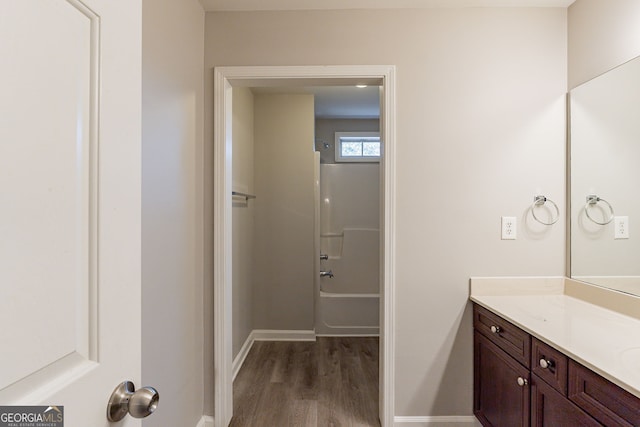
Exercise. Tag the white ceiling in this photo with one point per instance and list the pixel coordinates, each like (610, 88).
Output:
(249, 5)
(347, 102)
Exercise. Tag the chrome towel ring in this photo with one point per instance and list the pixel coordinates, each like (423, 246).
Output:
(539, 201)
(593, 200)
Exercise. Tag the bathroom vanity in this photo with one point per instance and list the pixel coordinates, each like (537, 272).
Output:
(565, 352)
(545, 355)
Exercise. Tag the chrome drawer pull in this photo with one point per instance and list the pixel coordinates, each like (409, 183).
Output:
(544, 363)
(522, 381)
(496, 329)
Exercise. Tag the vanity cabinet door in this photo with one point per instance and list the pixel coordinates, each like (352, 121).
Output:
(605, 401)
(501, 395)
(551, 409)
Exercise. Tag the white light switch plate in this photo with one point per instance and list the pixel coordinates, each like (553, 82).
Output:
(509, 228)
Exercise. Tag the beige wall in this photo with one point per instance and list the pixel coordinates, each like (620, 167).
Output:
(602, 34)
(284, 252)
(272, 234)
(480, 131)
(243, 213)
(172, 222)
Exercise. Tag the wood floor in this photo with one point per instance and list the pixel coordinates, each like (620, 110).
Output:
(332, 382)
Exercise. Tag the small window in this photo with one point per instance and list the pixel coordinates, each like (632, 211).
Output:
(357, 147)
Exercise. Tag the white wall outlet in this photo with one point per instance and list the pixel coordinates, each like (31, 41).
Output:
(621, 227)
(508, 228)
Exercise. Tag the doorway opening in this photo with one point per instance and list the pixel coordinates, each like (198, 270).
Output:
(228, 78)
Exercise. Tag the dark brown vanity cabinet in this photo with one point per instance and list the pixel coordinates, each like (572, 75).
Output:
(499, 400)
(501, 371)
(550, 408)
(603, 400)
(521, 381)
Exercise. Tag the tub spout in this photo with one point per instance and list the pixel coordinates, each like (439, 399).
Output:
(328, 274)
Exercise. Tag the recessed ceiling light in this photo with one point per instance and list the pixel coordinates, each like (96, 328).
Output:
(361, 86)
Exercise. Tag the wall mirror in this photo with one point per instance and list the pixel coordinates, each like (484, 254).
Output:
(605, 179)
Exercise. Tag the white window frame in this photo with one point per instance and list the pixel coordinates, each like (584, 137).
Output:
(352, 159)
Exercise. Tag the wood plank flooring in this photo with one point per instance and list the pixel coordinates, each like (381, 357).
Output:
(332, 382)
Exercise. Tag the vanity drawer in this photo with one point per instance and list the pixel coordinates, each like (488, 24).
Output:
(549, 364)
(603, 400)
(513, 340)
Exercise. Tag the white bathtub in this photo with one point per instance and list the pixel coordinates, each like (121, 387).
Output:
(348, 314)
(349, 303)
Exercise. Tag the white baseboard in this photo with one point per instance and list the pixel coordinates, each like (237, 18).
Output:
(275, 335)
(268, 335)
(354, 335)
(242, 355)
(440, 421)
(205, 421)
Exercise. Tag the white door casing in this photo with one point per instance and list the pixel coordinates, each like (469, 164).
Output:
(225, 78)
(70, 197)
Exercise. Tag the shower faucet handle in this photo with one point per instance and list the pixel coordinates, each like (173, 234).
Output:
(324, 257)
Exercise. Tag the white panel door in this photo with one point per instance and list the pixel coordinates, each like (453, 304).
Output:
(69, 204)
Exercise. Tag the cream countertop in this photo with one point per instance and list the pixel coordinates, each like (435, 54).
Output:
(553, 311)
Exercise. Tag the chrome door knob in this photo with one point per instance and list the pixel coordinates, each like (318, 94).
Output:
(544, 363)
(125, 399)
(522, 381)
(496, 329)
